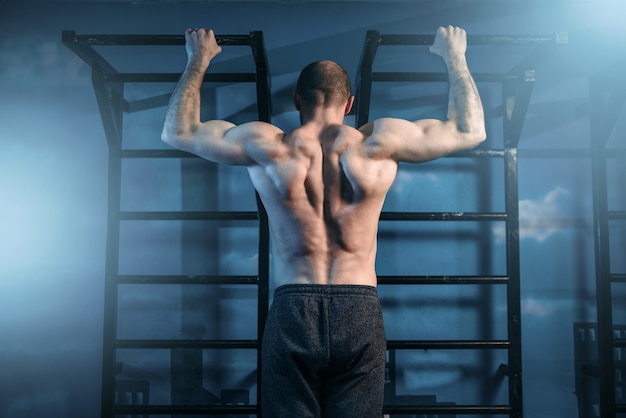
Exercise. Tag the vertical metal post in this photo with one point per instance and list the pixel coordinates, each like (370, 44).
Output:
(513, 288)
(364, 80)
(110, 106)
(599, 136)
(515, 98)
(263, 87)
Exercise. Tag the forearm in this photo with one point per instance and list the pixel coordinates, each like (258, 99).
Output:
(465, 109)
(183, 111)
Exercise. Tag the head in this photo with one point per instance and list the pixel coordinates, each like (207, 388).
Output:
(323, 84)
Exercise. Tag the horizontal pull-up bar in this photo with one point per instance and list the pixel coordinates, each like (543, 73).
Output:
(397, 76)
(83, 45)
(556, 38)
(151, 40)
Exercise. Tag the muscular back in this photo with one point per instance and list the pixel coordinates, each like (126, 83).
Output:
(324, 184)
(323, 190)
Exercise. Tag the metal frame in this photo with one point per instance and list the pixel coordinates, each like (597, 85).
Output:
(607, 96)
(108, 86)
(517, 87)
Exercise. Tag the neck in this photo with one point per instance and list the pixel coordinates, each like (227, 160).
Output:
(322, 116)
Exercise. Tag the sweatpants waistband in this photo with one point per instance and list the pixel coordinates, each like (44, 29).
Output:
(326, 289)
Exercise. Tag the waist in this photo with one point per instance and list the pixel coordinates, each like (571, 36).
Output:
(326, 289)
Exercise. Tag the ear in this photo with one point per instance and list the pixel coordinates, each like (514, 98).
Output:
(296, 100)
(349, 105)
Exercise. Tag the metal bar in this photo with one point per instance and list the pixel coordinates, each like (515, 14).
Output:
(617, 214)
(604, 298)
(149, 410)
(364, 77)
(539, 54)
(618, 278)
(516, 100)
(511, 129)
(149, 40)
(394, 280)
(477, 153)
(85, 52)
(264, 108)
(264, 285)
(514, 288)
(202, 344)
(438, 410)
(551, 153)
(174, 77)
(110, 107)
(397, 76)
(447, 345)
(172, 153)
(619, 342)
(514, 311)
(155, 153)
(262, 77)
(443, 216)
(186, 280)
(148, 103)
(110, 288)
(188, 216)
(510, 40)
(554, 153)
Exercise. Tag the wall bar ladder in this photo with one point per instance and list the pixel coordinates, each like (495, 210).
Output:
(516, 87)
(108, 85)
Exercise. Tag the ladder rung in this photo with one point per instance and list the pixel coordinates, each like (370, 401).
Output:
(620, 407)
(482, 152)
(224, 344)
(252, 409)
(442, 279)
(617, 214)
(619, 342)
(618, 278)
(187, 215)
(451, 344)
(136, 410)
(155, 153)
(443, 216)
(398, 76)
(145, 40)
(150, 279)
(174, 77)
(509, 40)
(446, 409)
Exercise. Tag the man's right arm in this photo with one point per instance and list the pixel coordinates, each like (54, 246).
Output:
(215, 140)
(427, 139)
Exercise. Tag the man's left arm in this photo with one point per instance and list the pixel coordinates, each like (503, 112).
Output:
(465, 109)
(426, 139)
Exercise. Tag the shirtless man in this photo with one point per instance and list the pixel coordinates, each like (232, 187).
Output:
(323, 186)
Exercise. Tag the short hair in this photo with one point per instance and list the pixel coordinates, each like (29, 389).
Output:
(324, 83)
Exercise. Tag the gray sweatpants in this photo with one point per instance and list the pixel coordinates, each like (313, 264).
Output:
(323, 353)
